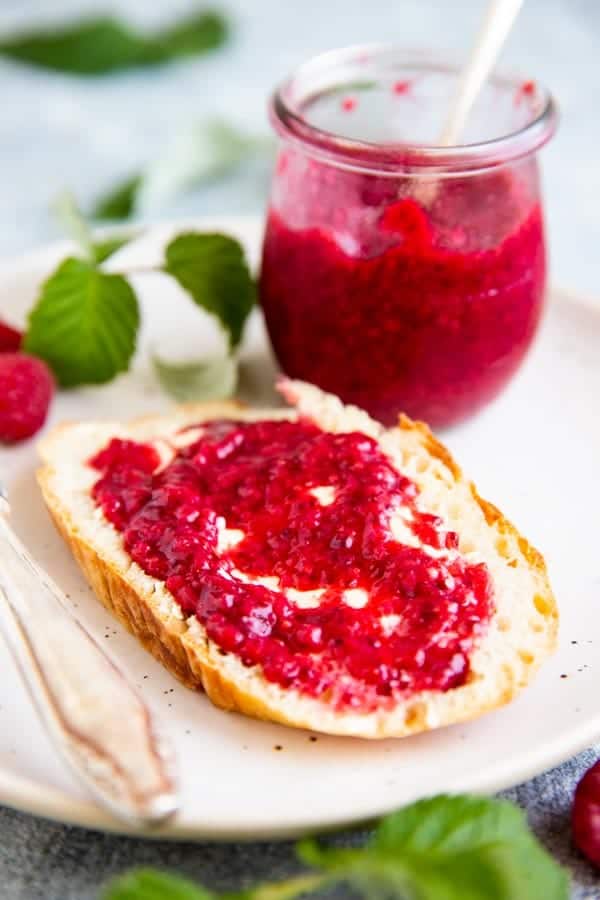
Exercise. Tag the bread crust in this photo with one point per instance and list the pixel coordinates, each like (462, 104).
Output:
(183, 648)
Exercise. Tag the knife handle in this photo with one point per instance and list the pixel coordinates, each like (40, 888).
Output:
(95, 718)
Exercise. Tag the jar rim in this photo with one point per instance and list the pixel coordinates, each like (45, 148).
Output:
(400, 157)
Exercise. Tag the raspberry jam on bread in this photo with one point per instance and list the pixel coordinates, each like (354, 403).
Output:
(303, 552)
(306, 566)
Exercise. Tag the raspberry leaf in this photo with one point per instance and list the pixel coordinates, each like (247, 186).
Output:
(443, 848)
(119, 201)
(197, 33)
(201, 154)
(208, 379)
(77, 227)
(448, 848)
(104, 249)
(84, 324)
(212, 268)
(148, 884)
(104, 44)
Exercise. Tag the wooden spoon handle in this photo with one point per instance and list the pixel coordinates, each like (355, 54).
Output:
(496, 26)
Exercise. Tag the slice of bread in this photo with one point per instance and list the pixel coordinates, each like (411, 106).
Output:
(522, 631)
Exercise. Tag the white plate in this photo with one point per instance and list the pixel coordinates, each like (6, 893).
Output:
(536, 452)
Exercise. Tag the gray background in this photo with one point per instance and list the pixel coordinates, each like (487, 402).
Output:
(58, 132)
(81, 133)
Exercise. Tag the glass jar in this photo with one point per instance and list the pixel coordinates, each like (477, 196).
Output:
(401, 274)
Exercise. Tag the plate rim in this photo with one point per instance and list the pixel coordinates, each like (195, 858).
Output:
(36, 798)
(28, 795)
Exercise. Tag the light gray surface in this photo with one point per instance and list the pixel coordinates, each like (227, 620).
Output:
(57, 131)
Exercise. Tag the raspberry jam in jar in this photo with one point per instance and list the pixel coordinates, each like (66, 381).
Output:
(401, 275)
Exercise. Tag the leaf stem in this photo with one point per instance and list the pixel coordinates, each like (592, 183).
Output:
(73, 222)
(288, 889)
(138, 270)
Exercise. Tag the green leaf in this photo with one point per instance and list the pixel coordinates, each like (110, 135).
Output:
(84, 324)
(299, 886)
(444, 824)
(209, 379)
(104, 44)
(87, 47)
(104, 249)
(444, 848)
(448, 848)
(214, 271)
(77, 227)
(195, 34)
(148, 884)
(204, 153)
(119, 202)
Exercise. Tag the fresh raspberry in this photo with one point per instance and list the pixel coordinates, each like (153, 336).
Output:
(586, 815)
(26, 388)
(10, 338)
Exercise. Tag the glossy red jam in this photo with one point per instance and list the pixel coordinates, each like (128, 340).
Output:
(424, 607)
(400, 296)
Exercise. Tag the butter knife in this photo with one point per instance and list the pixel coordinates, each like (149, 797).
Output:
(95, 718)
